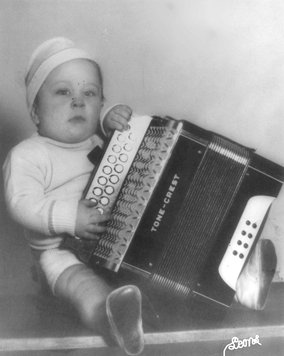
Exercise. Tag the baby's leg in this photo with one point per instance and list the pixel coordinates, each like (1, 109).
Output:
(86, 292)
(73, 282)
(113, 313)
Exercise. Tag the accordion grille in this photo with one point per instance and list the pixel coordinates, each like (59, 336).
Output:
(207, 202)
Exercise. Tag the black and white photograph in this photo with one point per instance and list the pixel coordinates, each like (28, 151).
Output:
(142, 172)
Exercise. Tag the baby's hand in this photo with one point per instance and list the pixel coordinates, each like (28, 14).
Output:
(89, 220)
(117, 118)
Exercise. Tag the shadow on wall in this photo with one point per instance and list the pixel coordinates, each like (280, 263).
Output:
(15, 259)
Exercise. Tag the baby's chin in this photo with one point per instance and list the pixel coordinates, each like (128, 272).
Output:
(79, 130)
(70, 139)
(77, 139)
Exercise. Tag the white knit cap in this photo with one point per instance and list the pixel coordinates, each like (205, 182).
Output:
(49, 55)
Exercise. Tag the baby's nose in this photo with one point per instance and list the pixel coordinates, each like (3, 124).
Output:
(78, 101)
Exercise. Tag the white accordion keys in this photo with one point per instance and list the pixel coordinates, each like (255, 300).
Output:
(246, 233)
(116, 163)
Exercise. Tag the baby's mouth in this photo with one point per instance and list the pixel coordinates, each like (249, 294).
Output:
(77, 118)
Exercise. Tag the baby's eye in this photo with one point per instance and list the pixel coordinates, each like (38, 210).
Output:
(90, 93)
(63, 92)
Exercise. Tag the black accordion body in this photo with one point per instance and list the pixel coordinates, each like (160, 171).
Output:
(188, 206)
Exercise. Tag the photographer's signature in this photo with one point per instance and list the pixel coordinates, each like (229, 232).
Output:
(239, 344)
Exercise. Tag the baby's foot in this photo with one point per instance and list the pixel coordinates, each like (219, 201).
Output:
(123, 307)
(255, 279)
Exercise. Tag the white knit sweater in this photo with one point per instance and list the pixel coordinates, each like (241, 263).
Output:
(44, 180)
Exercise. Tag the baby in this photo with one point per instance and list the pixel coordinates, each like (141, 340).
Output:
(46, 174)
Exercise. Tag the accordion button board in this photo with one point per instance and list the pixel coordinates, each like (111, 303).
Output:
(118, 158)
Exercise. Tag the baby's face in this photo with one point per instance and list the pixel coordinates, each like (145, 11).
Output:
(69, 102)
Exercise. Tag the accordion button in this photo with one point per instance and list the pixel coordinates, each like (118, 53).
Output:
(116, 148)
(109, 189)
(118, 168)
(123, 157)
(97, 191)
(114, 179)
(94, 200)
(130, 136)
(104, 201)
(107, 169)
(111, 159)
(121, 138)
(102, 180)
(100, 210)
(128, 147)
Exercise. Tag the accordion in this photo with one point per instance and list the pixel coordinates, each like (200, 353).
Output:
(187, 207)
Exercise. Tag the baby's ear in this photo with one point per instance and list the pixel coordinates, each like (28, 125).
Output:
(34, 115)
